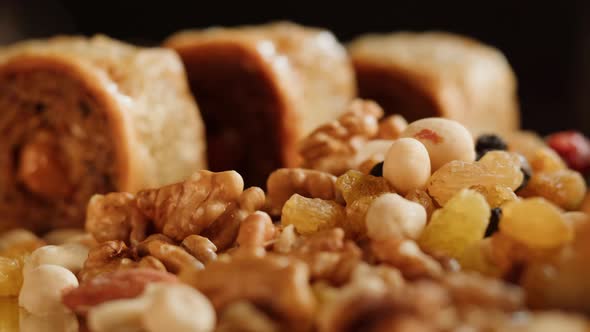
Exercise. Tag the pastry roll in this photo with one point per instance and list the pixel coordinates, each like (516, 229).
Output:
(261, 89)
(429, 74)
(83, 116)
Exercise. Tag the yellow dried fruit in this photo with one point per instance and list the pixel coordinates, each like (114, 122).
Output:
(11, 278)
(421, 197)
(310, 215)
(524, 142)
(536, 223)
(495, 195)
(9, 315)
(354, 224)
(546, 160)
(560, 283)
(459, 224)
(477, 257)
(353, 185)
(495, 168)
(565, 188)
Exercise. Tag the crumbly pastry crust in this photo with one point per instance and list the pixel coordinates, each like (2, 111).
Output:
(437, 74)
(150, 127)
(305, 72)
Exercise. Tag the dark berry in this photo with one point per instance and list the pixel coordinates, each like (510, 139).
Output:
(489, 142)
(526, 176)
(573, 147)
(494, 221)
(377, 170)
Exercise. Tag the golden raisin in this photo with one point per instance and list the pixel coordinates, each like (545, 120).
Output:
(353, 185)
(310, 215)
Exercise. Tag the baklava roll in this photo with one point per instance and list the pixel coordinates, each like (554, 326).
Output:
(261, 89)
(82, 116)
(429, 74)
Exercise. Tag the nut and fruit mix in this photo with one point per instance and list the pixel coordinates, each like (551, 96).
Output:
(391, 226)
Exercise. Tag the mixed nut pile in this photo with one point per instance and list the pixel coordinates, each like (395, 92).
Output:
(388, 226)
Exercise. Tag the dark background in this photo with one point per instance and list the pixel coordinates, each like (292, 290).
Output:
(548, 44)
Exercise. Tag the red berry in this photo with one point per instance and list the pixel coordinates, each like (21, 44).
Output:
(573, 147)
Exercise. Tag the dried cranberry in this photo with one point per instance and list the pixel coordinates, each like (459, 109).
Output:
(573, 147)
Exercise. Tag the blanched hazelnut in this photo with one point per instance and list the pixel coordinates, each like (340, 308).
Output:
(43, 287)
(70, 256)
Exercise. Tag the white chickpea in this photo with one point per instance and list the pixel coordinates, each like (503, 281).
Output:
(406, 165)
(43, 287)
(391, 216)
(445, 140)
(70, 256)
(178, 307)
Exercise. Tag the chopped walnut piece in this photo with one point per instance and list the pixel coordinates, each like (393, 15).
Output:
(187, 208)
(200, 247)
(285, 182)
(471, 289)
(332, 147)
(328, 255)
(242, 316)
(254, 233)
(286, 240)
(277, 285)
(106, 257)
(114, 217)
(224, 230)
(377, 298)
(406, 256)
(392, 126)
(172, 256)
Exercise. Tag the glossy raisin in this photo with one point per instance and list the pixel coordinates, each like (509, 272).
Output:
(526, 176)
(494, 221)
(377, 170)
(489, 142)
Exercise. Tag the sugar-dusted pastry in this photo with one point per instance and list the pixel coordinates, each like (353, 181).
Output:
(83, 116)
(261, 89)
(430, 74)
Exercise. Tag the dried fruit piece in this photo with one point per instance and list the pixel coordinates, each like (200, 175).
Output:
(536, 223)
(524, 142)
(353, 185)
(493, 226)
(476, 257)
(560, 283)
(354, 224)
(11, 278)
(421, 197)
(310, 215)
(377, 170)
(546, 160)
(489, 142)
(9, 314)
(573, 147)
(495, 195)
(460, 223)
(495, 168)
(565, 188)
